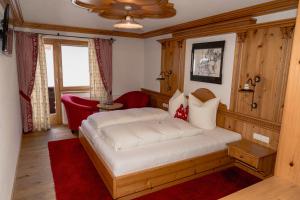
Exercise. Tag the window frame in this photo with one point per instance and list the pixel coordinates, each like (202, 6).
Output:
(57, 54)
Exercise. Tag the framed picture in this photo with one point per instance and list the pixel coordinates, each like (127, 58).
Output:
(207, 62)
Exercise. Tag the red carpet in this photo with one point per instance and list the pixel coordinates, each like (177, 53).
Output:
(76, 178)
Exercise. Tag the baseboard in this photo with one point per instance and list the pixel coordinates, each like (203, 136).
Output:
(20, 147)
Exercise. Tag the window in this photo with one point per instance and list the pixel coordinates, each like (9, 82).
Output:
(75, 66)
(67, 71)
(50, 77)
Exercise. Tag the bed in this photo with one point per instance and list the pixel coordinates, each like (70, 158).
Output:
(137, 171)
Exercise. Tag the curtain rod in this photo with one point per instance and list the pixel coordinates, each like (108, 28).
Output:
(82, 37)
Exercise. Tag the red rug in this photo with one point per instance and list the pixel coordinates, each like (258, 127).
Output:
(76, 178)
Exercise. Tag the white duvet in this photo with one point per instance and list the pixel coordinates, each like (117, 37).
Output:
(129, 135)
(102, 119)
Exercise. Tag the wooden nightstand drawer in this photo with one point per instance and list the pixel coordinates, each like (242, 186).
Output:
(253, 157)
(243, 156)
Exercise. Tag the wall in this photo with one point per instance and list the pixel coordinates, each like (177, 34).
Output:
(223, 90)
(10, 124)
(128, 65)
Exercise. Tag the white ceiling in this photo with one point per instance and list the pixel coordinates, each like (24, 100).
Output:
(63, 12)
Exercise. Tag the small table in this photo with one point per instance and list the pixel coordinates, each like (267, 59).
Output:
(252, 157)
(109, 107)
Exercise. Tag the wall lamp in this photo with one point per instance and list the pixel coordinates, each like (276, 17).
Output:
(165, 76)
(249, 87)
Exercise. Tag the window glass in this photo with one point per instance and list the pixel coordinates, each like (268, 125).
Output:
(50, 65)
(75, 66)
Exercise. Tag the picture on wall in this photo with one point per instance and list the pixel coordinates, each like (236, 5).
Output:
(207, 61)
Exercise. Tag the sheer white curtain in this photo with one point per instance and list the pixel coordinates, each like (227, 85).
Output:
(39, 96)
(97, 89)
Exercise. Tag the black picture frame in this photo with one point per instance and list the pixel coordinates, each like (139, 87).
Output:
(209, 56)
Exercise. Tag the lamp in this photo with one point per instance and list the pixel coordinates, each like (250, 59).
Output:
(165, 75)
(128, 22)
(247, 88)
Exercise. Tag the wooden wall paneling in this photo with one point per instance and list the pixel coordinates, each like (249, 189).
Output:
(273, 69)
(288, 156)
(172, 58)
(157, 99)
(253, 58)
(246, 126)
(166, 62)
(179, 63)
(239, 56)
(287, 34)
(264, 52)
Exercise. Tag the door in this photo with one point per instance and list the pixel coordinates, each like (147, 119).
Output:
(68, 73)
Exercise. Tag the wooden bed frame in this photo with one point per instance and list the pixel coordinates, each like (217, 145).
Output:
(143, 182)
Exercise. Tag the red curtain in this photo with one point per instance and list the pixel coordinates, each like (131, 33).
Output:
(26, 52)
(104, 57)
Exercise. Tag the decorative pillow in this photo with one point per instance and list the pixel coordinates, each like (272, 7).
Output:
(204, 116)
(176, 100)
(182, 113)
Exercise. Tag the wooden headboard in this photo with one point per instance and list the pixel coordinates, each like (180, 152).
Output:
(244, 124)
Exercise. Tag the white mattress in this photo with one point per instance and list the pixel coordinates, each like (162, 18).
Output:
(153, 155)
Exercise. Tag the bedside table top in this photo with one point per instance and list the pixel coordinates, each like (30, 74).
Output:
(252, 148)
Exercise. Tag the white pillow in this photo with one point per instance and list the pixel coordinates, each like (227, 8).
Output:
(204, 116)
(176, 100)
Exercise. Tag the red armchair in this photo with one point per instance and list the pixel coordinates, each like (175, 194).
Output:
(134, 99)
(78, 109)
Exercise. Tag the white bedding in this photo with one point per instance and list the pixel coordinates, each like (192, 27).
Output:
(131, 135)
(101, 119)
(158, 154)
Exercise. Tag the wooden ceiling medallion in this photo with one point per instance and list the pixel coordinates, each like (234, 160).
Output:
(116, 9)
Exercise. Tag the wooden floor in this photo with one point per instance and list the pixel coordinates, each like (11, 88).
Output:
(34, 177)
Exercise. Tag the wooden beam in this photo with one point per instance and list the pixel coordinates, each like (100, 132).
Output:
(288, 157)
(223, 28)
(256, 10)
(216, 27)
(55, 27)
(15, 8)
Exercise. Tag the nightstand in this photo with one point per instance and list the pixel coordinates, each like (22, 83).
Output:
(253, 158)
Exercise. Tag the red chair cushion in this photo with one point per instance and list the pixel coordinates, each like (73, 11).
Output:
(78, 109)
(134, 99)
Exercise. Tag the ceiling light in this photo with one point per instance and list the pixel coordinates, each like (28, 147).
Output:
(128, 23)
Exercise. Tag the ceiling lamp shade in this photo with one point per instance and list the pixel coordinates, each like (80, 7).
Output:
(128, 23)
